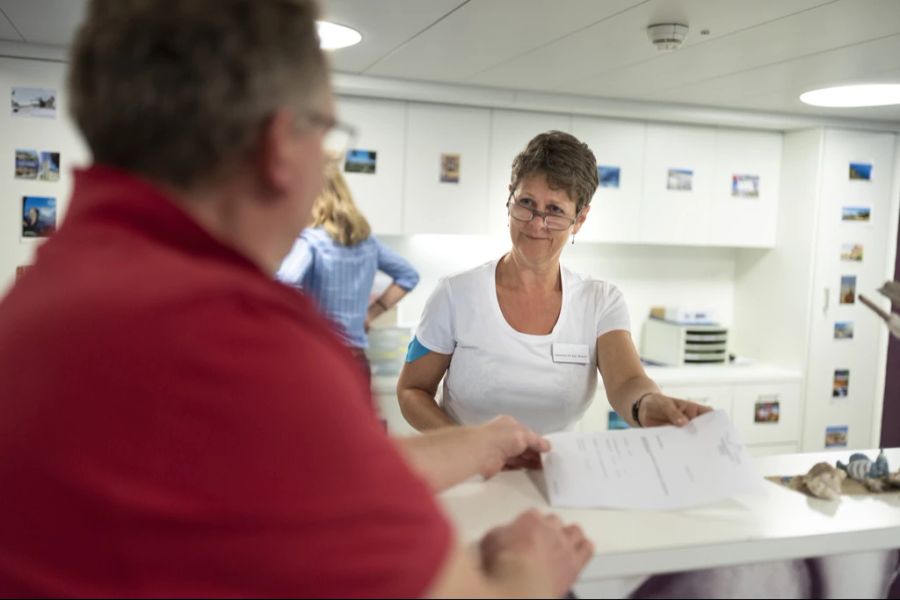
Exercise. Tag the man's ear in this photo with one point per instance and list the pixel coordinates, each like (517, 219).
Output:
(277, 148)
(581, 217)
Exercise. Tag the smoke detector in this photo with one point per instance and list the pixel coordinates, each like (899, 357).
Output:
(667, 36)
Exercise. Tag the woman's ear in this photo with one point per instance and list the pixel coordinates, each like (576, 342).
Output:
(579, 220)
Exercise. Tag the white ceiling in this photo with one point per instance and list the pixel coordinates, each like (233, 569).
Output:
(758, 55)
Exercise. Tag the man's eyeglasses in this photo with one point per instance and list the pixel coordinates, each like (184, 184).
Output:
(552, 221)
(339, 137)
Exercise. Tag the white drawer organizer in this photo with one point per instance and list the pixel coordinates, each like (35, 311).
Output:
(763, 401)
(677, 344)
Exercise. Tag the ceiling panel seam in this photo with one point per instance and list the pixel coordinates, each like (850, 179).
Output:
(408, 40)
(554, 40)
(13, 25)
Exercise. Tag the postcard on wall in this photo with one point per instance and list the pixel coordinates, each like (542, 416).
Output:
(38, 216)
(841, 384)
(27, 164)
(767, 410)
(49, 169)
(848, 289)
(843, 330)
(852, 252)
(745, 186)
(860, 171)
(361, 161)
(614, 421)
(836, 436)
(680, 180)
(608, 175)
(855, 213)
(33, 102)
(449, 168)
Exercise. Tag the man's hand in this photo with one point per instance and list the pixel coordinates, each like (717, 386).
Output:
(506, 442)
(542, 545)
(659, 409)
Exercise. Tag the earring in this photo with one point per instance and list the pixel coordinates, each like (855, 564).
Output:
(573, 239)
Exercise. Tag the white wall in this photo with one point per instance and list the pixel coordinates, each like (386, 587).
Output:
(40, 134)
(647, 275)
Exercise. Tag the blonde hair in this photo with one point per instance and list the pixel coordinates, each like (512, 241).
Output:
(336, 212)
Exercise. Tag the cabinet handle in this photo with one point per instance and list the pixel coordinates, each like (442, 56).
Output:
(825, 308)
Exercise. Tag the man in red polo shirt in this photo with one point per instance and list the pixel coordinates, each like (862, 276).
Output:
(172, 421)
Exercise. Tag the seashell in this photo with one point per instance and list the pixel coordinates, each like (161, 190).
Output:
(893, 479)
(824, 481)
(875, 485)
(880, 467)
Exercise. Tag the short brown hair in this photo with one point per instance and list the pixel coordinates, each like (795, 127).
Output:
(179, 89)
(568, 164)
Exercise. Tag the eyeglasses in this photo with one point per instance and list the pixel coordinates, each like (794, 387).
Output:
(552, 221)
(339, 137)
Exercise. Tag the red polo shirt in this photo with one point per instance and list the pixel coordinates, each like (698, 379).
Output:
(174, 423)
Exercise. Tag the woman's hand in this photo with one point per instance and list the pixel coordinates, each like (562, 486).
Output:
(658, 409)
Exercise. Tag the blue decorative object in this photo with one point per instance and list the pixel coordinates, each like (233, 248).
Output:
(860, 467)
(880, 467)
(857, 467)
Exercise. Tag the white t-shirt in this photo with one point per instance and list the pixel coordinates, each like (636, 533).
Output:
(544, 381)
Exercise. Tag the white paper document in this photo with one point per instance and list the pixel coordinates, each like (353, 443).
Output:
(655, 468)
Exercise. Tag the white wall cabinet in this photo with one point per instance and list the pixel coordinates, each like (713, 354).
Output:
(718, 397)
(826, 407)
(767, 413)
(381, 127)
(764, 403)
(742, 219)
(406, 195)
(434, 206)
(615, 211)
(677, 216)
(806, 268)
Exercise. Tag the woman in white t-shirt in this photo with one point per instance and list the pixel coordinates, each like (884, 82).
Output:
(524, 336)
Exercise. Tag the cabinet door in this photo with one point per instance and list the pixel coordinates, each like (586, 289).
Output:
(844, 402)
(458, 204)
(743, 208)
(719, 397)
(511, 130)
(380, 126)
(677, 182)
(615, 210)
(767, 413)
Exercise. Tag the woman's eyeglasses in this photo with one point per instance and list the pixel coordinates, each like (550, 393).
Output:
(552, 221)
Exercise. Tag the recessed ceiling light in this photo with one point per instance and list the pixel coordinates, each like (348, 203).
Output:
(875, 94)
(333, 36)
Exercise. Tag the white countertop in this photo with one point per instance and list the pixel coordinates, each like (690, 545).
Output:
(782, 524)
(687, 375)
(724, 374)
